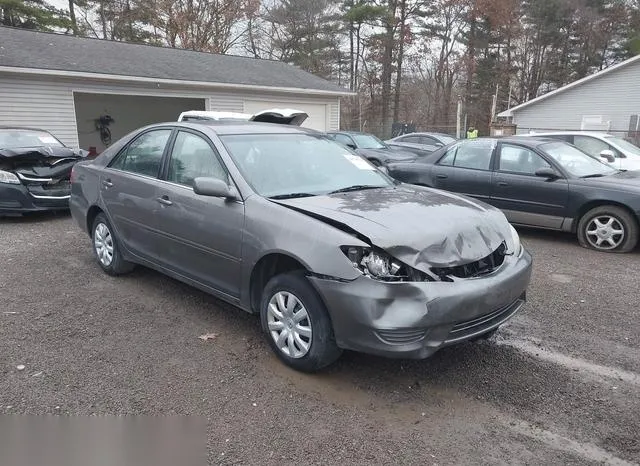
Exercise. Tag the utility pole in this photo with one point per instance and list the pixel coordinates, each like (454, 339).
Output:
(459, 119)
(509, 100)
(493, 105)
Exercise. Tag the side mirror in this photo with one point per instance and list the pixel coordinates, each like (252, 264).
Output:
(608, 156)
(352, 146)
(548, 173)
(439, 145)
(213, 187)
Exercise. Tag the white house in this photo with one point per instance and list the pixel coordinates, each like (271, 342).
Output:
(608, 100)
(63, 84)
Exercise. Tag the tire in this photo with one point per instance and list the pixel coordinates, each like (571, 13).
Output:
(612, 219)
(103, 238)
(316, 330)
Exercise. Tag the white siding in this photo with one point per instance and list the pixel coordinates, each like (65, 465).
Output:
(49, 103)
(39, 104)
(615, 96)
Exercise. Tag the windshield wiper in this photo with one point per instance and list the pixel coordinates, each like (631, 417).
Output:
(595, 175)
(291, 195)
(356, 187)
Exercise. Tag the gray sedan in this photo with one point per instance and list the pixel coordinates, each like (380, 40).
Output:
(285, 223)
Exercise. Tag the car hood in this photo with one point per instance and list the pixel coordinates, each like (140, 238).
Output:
(394, 155)
(623, 181)
(420, 226)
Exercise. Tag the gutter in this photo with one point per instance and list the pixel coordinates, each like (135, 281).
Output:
(157, 82)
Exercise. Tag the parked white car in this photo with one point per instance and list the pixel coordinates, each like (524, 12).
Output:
(613, 150)
(285, 116)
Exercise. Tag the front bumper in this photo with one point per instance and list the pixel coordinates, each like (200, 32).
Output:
(16, 199)
(414, 319)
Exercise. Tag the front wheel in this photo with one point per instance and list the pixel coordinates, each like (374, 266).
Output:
(608, 228)
(107, 248)
(297, 323)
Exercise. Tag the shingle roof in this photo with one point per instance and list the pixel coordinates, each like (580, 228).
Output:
(27, 49)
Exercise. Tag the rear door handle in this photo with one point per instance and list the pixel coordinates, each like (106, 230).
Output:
(442, 177)
(107, 183)
(503, 183)
(164, 200)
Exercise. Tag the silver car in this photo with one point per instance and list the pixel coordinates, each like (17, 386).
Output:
(283, 222)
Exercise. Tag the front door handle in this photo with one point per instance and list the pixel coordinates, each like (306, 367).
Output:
(107, 183)
(503, 183)
(164, 200)
(442, 177)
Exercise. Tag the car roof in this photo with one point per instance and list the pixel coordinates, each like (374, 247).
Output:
(26, 128)
(244, 127)
(348, 132)
(426, 133)
(572, 133)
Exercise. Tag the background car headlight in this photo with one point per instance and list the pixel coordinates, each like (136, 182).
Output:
(517, 245)
(381, 266)
(8, 177)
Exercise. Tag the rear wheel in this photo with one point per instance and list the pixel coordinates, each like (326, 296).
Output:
(297, 323)
(107, 248)
(608, 228)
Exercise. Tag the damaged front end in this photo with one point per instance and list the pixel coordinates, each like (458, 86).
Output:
(36, 178)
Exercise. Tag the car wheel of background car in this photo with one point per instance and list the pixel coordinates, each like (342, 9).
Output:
(297, 323)
(105, 246)
(608, 228)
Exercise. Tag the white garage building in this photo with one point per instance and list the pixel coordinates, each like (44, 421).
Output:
(64, 84)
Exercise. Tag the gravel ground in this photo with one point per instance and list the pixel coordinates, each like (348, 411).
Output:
(558, 385)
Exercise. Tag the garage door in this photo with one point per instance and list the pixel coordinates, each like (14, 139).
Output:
(129, 112)
(317, 112)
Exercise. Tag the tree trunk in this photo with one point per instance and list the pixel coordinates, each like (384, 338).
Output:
(403, 28)
(387, 63)
(72, 15)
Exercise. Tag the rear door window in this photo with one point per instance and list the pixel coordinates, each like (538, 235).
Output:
(143, 156)
(590, 145)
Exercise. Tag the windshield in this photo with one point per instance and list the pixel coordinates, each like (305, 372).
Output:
(446, 139)
(304, 164)
(368, 141)
(574, 161)
(15, 138)
(624, 145)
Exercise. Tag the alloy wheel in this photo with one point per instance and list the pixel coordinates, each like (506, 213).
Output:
(605, 232)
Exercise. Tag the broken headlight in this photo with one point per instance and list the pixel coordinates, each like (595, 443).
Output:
(8, 177)
(381, 266)
(517, 245)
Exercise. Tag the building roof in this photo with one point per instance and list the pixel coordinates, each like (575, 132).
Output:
(579, 82)
(59, 54)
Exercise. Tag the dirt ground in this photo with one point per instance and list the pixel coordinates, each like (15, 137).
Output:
(559, 385)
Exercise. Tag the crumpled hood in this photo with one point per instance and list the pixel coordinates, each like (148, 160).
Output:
(420, 226)
(44, 161)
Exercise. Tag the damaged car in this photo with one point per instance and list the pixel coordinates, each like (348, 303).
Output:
(285, 223)
(35, 168)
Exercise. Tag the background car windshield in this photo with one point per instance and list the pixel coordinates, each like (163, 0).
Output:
(20, 138)
(446, 139)
(281, 164)
(574, 161)
(367, 141)
(625, 145)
